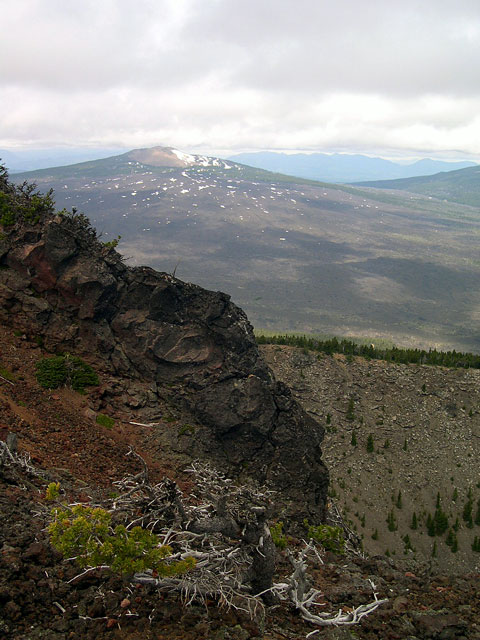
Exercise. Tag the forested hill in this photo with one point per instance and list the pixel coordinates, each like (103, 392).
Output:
(453, 359)
(462, 186)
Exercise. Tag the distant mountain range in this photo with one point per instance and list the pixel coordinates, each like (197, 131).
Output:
(297, 255)
(343, 167)
(456, 186)
(29, 160)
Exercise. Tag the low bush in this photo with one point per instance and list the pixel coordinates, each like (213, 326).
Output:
(86, 534)
(278, 537)
(331, 538)
(65, 370)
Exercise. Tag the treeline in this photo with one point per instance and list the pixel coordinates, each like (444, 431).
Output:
(433, 357)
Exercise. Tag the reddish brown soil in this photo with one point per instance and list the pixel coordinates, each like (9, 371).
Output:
(58, 428)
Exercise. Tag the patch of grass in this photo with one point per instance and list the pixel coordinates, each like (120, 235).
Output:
(186, 429)
(104, 421)
(5, 373)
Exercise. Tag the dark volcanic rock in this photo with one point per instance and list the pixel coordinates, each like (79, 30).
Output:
(58, 282)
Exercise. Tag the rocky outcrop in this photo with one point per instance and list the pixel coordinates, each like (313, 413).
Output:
(58, 282)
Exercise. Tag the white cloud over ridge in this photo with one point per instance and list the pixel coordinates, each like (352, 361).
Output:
(222, 74)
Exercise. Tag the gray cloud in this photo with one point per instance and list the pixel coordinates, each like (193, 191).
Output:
(223, 74)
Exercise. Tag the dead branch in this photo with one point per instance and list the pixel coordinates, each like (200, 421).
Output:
(10, 458)
(302, 596)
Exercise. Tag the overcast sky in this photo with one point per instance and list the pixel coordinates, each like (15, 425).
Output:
(383, 77)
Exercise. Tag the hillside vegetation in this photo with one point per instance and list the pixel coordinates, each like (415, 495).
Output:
(402, 443)
(462, 185)
(370, 351)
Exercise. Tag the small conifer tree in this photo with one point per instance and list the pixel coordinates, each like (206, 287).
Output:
(467, 514)
(449, 538)
(399, 500)
(392, 522)
(350, 415)
(440, 521)
(477, 515)
(370, 444)
(454, 546)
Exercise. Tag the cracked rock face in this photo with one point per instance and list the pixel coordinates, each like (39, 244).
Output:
(59, 282)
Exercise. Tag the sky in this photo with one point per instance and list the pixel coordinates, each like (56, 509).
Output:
(380, 77)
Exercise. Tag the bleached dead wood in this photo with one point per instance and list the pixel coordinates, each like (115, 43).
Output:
(299, 592)
(10, 458)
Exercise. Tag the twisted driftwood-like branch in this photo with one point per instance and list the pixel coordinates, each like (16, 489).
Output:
(17, 461)
(302, 596)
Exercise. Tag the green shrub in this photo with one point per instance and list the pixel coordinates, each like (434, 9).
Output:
(104, 421)
(112, 244)
(86, 534)
(278, 537)
(67, 370)
(22, 202)
(331, 538)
